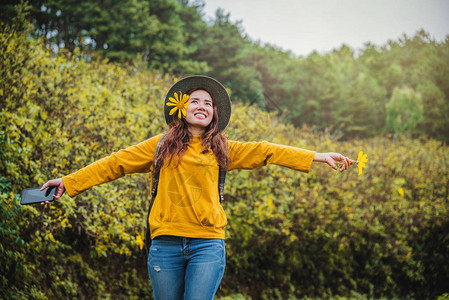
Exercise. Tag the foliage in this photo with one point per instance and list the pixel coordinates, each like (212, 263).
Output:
(290, 235)
(379, 234)
(404, 111)
(58, 114)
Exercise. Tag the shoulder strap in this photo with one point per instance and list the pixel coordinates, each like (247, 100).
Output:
(222, 181)
(155, 182)
(156, 167)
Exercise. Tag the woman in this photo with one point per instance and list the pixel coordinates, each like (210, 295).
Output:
(187, 256)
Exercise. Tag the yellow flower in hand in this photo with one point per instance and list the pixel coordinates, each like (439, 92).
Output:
(361, 162)
(180, 104)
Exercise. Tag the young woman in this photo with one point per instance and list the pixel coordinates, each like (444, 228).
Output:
(187, 255)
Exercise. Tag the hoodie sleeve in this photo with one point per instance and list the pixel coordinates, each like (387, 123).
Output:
(250, 155)
(134, 159)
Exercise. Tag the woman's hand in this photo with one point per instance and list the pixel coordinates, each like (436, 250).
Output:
(60, 189)
(333, 159)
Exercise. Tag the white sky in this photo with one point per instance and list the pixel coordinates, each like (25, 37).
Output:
(303, 26)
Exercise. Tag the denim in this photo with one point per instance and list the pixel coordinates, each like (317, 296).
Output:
(186, 268)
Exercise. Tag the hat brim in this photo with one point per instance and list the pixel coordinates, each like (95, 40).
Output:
(212, 86)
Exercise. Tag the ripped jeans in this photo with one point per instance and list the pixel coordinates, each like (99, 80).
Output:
(186, 268)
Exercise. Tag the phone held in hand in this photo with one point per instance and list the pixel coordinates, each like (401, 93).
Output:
(34, 195)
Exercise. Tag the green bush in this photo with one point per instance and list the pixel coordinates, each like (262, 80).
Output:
(381, 234)
(59, 113)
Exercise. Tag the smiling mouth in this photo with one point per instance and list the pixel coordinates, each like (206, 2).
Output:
(200, 115)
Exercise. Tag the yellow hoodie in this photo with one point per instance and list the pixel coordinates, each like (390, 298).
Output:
(187, 202)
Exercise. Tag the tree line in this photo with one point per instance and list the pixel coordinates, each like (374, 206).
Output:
(396, 88)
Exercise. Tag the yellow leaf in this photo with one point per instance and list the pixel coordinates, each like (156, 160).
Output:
(139, 241)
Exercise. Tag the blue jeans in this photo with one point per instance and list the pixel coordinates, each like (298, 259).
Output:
(186, 268)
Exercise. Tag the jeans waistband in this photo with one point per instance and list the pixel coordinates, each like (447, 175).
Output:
(177, 238)
(169, 238)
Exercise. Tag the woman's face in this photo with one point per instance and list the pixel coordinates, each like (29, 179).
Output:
(200, 112)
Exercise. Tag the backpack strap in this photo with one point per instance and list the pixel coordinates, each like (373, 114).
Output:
(221, 183)
(155, 183)
(157, 168)
(222, 180)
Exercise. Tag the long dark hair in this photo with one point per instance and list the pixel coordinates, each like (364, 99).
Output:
(178, 137)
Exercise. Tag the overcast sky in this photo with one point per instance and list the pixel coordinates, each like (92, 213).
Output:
(303, 26)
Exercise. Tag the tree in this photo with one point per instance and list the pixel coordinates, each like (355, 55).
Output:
(435, 121)
(404, 111)
(192, 17)
(119, 31)
(224, 48)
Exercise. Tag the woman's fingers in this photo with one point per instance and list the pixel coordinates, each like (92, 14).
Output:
(60, 189)
(45, 186)
(338, 161)
(345, 162)
(53, 182)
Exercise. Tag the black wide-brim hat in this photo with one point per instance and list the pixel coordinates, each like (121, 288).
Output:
(209, 84)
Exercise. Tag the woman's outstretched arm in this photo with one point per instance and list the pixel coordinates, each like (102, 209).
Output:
(250, 155)
(134, 159)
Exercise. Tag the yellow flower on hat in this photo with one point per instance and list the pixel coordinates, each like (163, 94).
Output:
(180, 104)
(361, 162)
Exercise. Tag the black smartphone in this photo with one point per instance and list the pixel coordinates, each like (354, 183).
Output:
(34, 195)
